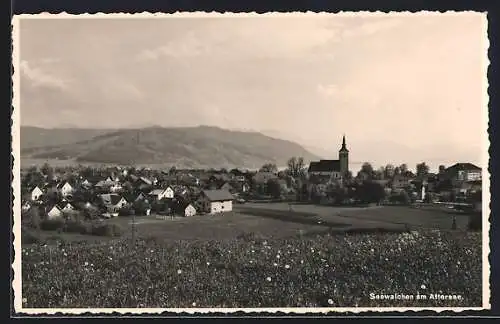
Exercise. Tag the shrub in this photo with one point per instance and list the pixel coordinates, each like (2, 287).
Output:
(28, 237)
(51, 224)
(475, 222)
(72, 226)
(110, 230)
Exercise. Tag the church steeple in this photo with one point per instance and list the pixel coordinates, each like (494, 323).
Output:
(344, 157)
(344, 147)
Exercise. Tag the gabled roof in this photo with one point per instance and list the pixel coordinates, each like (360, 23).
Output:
(63, 204)
(157, 192)
(226, 185)
(324, 166)
(146, 180)
(463, 166)
(218, 195)
(111, 199)
(62, 183)
(36, 186)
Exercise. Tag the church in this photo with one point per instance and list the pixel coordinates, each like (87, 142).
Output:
(331, 169)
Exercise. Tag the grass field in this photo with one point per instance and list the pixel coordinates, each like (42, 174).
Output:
(275, 220)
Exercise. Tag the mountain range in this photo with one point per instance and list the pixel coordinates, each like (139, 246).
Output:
(190, 147)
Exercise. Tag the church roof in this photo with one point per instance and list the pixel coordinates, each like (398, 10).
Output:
(324, 166)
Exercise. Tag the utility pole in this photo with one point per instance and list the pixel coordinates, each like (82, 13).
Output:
(133, 216)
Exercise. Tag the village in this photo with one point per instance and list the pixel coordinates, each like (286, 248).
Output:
(93, 193)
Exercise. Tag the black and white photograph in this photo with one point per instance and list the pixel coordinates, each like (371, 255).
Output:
(222, 162)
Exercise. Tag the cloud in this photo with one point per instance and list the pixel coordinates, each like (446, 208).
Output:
(40, 78)
(269, 38)
(328, 90)
(371, 27)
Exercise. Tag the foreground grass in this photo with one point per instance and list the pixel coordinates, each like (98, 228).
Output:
(333, 270)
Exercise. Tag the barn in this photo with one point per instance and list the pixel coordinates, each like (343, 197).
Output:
(217, 201)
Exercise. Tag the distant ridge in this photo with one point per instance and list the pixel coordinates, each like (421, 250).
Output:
(201, 146)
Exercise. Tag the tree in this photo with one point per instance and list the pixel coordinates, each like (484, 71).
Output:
(380, 173)
(274, 188)
(397, 171)
(422, 169)
(389, 171)
(370, 192)
(366, 171)
(269, 167)
(296, 166)
(403, 168)
(47, 170)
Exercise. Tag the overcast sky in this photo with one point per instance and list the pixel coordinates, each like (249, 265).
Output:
(402, 88)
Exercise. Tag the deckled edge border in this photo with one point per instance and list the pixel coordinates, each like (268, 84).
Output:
(347, 311)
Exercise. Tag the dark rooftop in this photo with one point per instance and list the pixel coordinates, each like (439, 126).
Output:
(324, 166)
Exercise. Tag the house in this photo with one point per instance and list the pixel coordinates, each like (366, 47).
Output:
(65, 188)
(185, 208)
(86, 184)
(468, 187)
(216, 201)
(66, 207)
(115, 187)
(54, 213)
(400, 182)
(144, 183)
(461, 172)
(26, 206)
(140, 197)
(240, 186)
(113, 202)
(159, 194)
(189, 211)
(227, 186)
(36, 193)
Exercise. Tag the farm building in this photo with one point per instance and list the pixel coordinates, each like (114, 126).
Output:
(66, 189)
(189, 210)
(113, 202)
(184, 208)
(159, 194)
(54, 213)
(217, 201)
(36, 193)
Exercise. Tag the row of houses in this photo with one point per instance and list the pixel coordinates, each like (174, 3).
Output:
(114, 193)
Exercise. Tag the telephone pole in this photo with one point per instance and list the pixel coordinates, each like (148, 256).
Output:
(133, 215)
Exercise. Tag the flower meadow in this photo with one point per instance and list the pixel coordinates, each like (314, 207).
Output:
(335, 270)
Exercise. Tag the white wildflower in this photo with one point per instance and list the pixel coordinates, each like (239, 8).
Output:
(275, 264)
(278, 256)
(86, 263)
(422, 287)
(208, 263)
(268, 279)
(179, 271)
(330, 301)
(301, 261)
(194, 304)
(287, 266)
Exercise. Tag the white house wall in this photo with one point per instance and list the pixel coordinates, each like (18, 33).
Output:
(221, 206)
